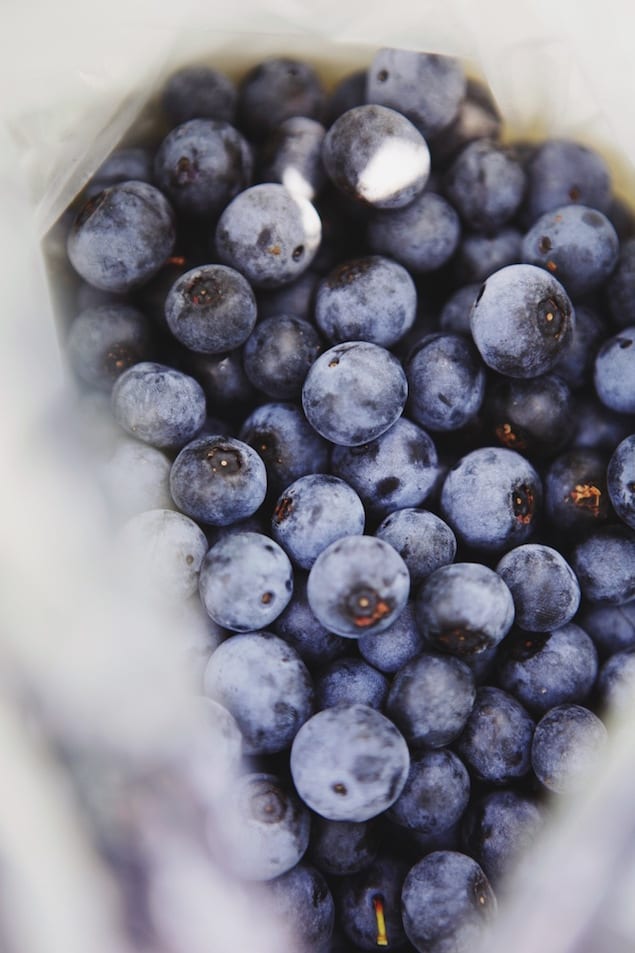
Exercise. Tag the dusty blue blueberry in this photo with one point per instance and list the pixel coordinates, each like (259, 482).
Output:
(422, 539)
(447, 903)
(218, 480)
(616, 681)
(425, 87)
(350, 681)
(499, 828)
(246, 581)
(269, 234)
(359, 898)
(312, 513)
(567, 747)
(396, 470)
(604, 563)
(562, 172)
(122, 165)
(446, 381)
(575, 243)
(478, 256)
(496, 741)
(391, 649)
(278, 354)
(275, 90)
(292, 156)
(349, 763)
(620, 290)
(201, 165)
(598, 427)
(435, 795)
(366, 299)
(302, 902)
(350, 91)
(620, 480)
(199, 92)
(105, 340)
(288, 445)
(543, 669)
(575, 365)
(376, 156)
(486, 185)
(464, 608)
(223, 380)
(543, 585)
(158, 404)
(491, 499)
(122, 236)
(535, 416)
(576, 497)
(431, 698)
(298, 626)
(265, 685)
(614, 372)
(211, 309)
(354, 392)
(295, 298)
(357, 585)
(422, 237)
(521, 321)
(343, 847)
(455, 314)
(612, 628)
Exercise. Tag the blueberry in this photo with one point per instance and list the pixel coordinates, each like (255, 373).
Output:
(122, 236)
(423, 236)
(477, 118)
(521, 321)
(302, 902)
(376, 156)
(616, 681)
(612, 628)
(390, 649)
(396, 470)
(343, 847)
(354, 392)
(264, 831)
(292, 156)
(464, 609)
(486, 185)
(535, 417)
(369, 905)
(348, 92)
(136, 477)
(312, 513)
(278, 354)
(478, 256)
(275, 90)
(349, 763)
(499, 828)
(598, 427)
(350, 681)
(105, 340)
(491, 499)
(605, 565)
(246, 581)
(446, 381)
(614, 373)
(447, 903)
(298, 626)
(211, 309)
(422, 539)
(158, 404)
(425, 87)
(295, 298)
(269, 234)
(431, 698)
(496, 741)
(122, 165)
(576, 497)
(620, 480)
(357, 585)
(435, 795)
(199, 92)
(218, 480)
(366, 299)
(164, 551)
(620, 291)
(544, 587)
(455, 314)
(576, 362)
(288, 445)
(562, 172)
(265, 685)
(223, 380)
(575, 243)
(567, 747)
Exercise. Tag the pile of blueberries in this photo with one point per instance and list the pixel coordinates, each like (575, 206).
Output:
(375, 378)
